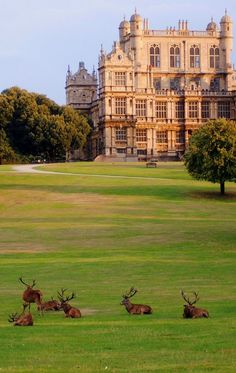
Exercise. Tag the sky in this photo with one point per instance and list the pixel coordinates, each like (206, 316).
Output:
(40, 38)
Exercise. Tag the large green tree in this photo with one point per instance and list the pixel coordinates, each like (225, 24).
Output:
(212, 152)
(35, 126)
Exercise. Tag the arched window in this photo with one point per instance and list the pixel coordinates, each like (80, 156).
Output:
(214, 57)
(174, 56)
(155, 60)
(194, 56)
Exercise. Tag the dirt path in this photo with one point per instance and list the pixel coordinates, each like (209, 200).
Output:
(31, 168)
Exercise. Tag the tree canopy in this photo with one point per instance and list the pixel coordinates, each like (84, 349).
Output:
(212, 152)
(31, 126)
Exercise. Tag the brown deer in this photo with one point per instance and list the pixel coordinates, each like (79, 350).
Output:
(50, 305)
(190, 311)
(134, 309)
(21, 320)
(67, 308)
(31, 295)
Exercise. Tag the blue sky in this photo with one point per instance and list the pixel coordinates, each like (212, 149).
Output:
(39, 38)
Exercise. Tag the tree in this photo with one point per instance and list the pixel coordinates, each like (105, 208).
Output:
(36, 127)
(212, 153)
(7, 154)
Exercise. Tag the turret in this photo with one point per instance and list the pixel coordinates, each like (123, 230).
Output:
(226, 28)
(124, 29)
(136, 32)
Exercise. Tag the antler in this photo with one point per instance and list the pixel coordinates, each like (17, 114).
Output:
(70, 297)
(13, 317)
(196, 298)
(30, 286)
(130, 294)
(61, 295)
(188, 300)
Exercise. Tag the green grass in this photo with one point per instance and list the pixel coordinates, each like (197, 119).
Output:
(156, 229)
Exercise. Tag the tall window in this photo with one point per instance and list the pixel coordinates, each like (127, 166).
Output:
(161, 110)
(180, 137)
(157, 84)
(155, 60)
(224, 109)
(174, 56)
(120, 78)
(206, 109)
(175, 84)
(161, 137)
(121, 134)
(141, 108)
(215, 84)
(194, 56)
(193, 109)
(141, 135)
(179, 110)
(214, 57)
(120, 105)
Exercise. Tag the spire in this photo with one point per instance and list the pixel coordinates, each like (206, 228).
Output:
(226, 13)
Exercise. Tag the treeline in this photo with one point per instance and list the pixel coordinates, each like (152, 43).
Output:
(34, 127)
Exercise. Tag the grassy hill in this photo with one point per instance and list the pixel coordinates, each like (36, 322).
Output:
(98, 230)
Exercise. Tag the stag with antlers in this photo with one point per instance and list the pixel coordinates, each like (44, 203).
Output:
(31, 295)
(21, 320)
(134, 309)
(67, 308)
(190, 311)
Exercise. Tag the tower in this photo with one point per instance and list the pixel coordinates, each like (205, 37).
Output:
(226, 28)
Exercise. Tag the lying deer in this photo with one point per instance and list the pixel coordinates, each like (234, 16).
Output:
(31, 295)
(51, 305)
(67, 308)
(190, 311)
(134, 309)
(21, 320)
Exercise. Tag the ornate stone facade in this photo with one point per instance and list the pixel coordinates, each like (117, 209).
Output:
(157, 87)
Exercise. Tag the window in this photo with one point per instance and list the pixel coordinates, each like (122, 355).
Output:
(175, 84)
(141, 151)
(121, 134)
(141, 108)
(155, 56)
(161, 110)
(194, 56)
(179, 110)
(121, 150)
(141, 135)
(215, 84)
(120, 78)
(161, 137)
(174, 56)
(180, 137)
(214, 57)
(224, 109)
(157, 84)
(120, 105)
(205, 109)
(193, 109)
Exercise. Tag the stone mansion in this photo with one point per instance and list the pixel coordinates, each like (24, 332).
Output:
(155, 88)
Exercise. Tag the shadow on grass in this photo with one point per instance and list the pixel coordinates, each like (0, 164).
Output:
(164, 191)
(214, 195)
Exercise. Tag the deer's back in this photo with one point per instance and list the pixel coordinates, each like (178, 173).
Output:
(140, 309)
(73, 313)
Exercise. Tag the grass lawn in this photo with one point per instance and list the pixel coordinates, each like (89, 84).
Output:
(155, 229)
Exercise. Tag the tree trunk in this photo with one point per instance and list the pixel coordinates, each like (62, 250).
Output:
(222, 188)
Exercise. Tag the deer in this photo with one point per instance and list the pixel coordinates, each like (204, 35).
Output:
(190, 311)
(134, 309)
(21, 320)
(31, 295)
(50, 305)
(67, 308)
